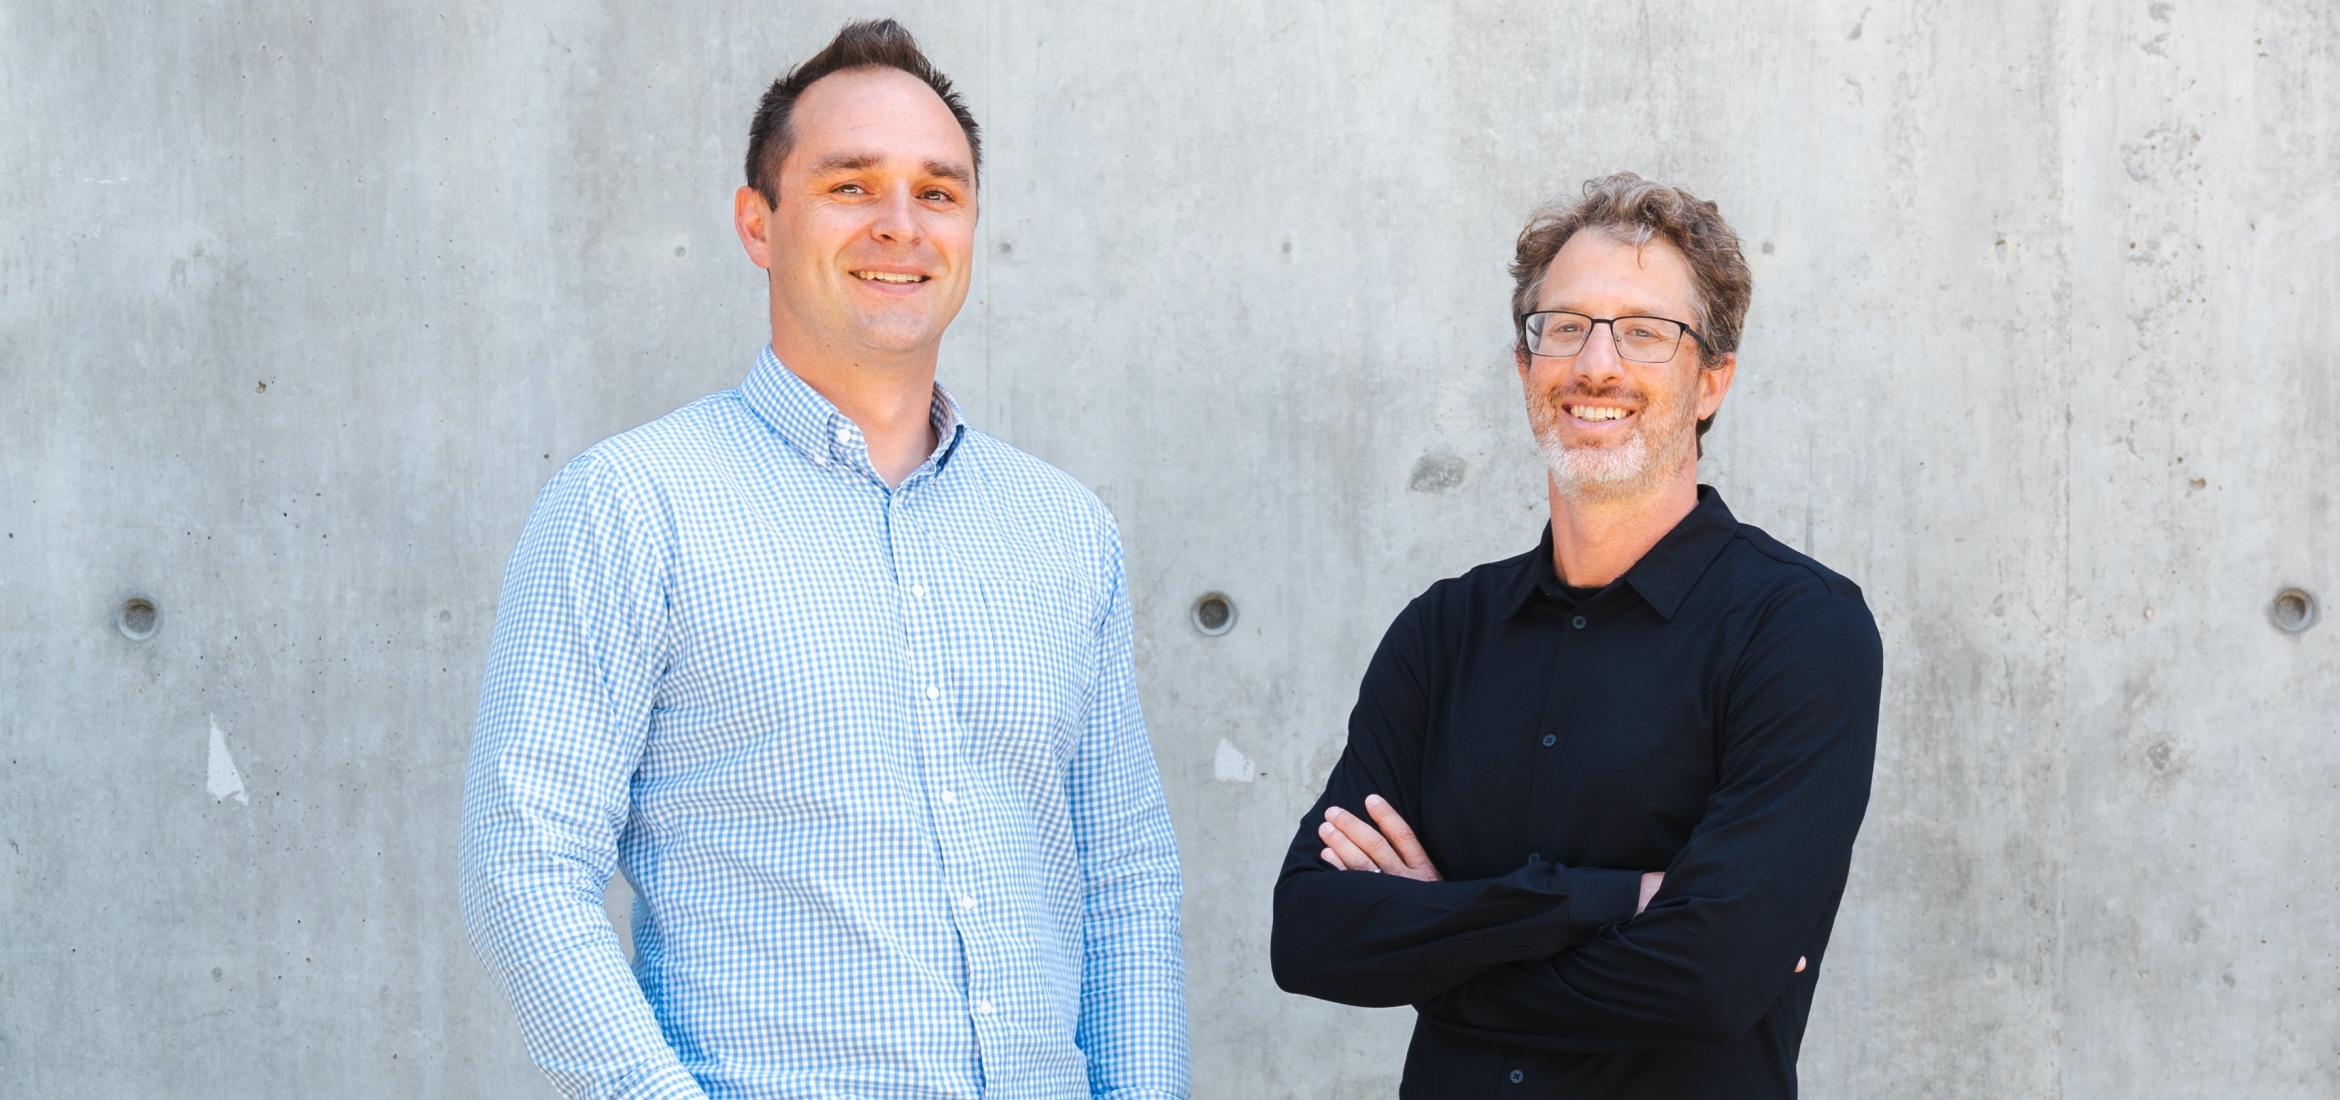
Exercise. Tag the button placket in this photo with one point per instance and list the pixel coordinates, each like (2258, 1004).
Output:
(925, 636)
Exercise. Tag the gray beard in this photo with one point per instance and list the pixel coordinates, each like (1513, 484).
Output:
(1658, 448)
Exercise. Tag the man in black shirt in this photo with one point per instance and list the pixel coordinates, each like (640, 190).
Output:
(1611, 785)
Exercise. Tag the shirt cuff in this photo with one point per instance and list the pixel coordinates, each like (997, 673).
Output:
(1599, 897)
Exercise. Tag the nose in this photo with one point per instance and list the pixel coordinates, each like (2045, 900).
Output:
(1598, 363)
(897, 219)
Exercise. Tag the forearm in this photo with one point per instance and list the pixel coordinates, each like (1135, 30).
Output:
(1133, 983)
(1581, 1002)
(537, 922)
(586, 1025)
(1383, 940)
(1709, 958)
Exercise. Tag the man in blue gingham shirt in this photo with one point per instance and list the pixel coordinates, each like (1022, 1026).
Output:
(859, 724)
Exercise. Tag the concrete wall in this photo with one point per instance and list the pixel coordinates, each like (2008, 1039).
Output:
(299, 305)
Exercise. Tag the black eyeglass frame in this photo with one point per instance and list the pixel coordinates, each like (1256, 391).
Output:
(1529, 342)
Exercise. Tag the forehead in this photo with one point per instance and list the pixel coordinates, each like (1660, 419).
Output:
(881, 112)
(1598, 270)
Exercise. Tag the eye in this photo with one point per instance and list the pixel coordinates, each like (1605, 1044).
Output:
(1640, 330)
(850, 189)
(1564, 326)
(937, 194)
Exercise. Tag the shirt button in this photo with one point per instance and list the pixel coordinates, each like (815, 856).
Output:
(844, 435)
(934, 693)
(1535, 857)
(1577, 622)
(918, 590)
(966, 902)
(949, 798)
(1550, 740)
(983, 1008)
(1517, 1077)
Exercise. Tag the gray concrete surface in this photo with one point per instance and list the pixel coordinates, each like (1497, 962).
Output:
(299, 305)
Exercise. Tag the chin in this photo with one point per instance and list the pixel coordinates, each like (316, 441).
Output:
(898, 335)
(1621, 471)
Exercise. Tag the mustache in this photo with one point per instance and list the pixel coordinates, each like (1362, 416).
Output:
(1572, 391)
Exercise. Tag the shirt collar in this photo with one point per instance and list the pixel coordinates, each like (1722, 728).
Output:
(1665, 575)
(798, 414)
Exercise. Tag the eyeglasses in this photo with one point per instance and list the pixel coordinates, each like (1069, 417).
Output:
(1560, 334)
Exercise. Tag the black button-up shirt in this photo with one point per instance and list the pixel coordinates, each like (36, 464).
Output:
(1711, 714)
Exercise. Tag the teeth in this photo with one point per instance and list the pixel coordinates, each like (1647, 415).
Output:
(888, 277)
(1595, 412)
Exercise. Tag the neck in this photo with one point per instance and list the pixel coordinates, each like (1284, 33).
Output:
(1596, 539)
(890, 398)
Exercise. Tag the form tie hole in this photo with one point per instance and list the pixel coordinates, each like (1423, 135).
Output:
(138, 618)
(1214, 613)
(2294, 610)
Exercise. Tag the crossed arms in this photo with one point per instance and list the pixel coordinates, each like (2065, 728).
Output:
(1582, 959)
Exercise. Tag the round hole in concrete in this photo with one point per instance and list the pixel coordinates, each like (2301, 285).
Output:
(1214, 613)
(2294, 610)
(138, 618)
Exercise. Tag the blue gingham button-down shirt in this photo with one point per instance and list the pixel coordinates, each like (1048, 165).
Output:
(871, 758)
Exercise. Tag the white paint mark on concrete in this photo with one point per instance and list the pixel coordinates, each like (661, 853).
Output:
(224, 779)
(1231, 766)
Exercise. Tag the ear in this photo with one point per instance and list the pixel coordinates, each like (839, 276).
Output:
(1522, 359)
(751, 216)
(1714, 382)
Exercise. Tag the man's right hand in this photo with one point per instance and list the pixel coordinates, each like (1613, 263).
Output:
(1353, 844)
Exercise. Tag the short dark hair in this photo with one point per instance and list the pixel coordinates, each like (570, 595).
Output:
(871, 43)
(1640, 210)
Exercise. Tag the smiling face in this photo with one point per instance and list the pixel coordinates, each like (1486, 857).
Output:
(871, 240)
(1610, 428)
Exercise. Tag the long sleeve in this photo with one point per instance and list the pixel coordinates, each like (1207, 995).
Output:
(1757, 882)
(1133, 987)
(580, 645)
(1382, 940)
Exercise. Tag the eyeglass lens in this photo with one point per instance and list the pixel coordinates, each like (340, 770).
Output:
(1640, 339)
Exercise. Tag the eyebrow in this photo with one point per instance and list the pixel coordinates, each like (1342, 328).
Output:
(1658, 312)
(855, 162)
(954, 172)
(845, 162)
